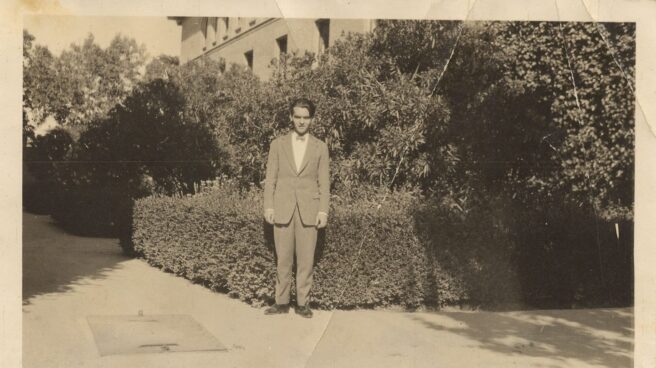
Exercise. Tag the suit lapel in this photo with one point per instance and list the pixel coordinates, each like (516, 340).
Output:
(287, 150)
(309, 150)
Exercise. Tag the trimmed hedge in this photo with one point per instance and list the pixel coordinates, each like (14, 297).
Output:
(218, 238)
(415, 252)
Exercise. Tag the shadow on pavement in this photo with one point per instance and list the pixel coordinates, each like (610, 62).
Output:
(597, 337)
(55, 261)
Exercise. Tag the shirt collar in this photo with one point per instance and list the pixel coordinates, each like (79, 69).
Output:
(295, 135)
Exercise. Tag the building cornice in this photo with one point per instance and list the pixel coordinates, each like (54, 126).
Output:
(178, 20)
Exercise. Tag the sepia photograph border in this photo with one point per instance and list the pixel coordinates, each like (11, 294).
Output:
(642, 12)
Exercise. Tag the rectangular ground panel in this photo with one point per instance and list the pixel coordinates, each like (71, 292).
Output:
(150, 334)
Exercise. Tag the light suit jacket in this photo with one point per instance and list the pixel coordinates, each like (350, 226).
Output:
(285, 187)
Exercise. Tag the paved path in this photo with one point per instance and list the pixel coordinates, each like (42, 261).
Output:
(67, 278)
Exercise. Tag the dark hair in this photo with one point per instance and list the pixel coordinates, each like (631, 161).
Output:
(302, 102)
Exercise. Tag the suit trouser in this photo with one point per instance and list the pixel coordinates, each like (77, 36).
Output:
(302, 240)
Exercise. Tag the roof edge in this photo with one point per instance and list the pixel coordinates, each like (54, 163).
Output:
(178, 20)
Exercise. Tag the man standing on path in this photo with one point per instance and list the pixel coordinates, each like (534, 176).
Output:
(296, 202)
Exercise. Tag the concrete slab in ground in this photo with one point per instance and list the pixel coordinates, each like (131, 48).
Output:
(150, 334)
(67, 278)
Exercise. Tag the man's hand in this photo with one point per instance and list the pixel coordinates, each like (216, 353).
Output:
(322, 220)
(268, 215)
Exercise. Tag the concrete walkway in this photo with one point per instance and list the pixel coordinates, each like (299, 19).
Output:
(67, 278)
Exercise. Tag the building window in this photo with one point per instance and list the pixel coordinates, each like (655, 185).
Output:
(210, 32)
(225, 28)
(239, 22)
(215, 25)
(249, 59)
(281, 42)
(323, 26)
(221, 29)
(203, 28)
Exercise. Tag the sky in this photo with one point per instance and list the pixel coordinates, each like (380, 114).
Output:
(58, 32)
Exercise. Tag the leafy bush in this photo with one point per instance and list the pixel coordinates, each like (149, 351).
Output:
(151, 133)
(537, 110)
(578, 82)
(567, 256)
(43, 159)
(219, 238)
(147, 145)
(369, 116)
(412, 252)
(404, 254)
(504, 117)
(372, 258)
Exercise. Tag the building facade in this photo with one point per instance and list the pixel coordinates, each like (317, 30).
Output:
(254, 42)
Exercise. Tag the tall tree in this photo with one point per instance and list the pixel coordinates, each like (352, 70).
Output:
(92, 80)
(39, 85)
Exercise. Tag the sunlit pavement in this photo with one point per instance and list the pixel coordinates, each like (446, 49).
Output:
(67, 278)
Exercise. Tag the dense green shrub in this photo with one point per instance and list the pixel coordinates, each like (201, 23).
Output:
(577, 83)
(520, 111)
(43, 160)
(408, 253)
(537, 110)
(219, 238)
(372, 257)
(149, 144)
(369, 114)
(411, 252)
(567, 256)
(151, 133)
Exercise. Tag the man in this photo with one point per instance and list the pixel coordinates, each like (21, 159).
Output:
(296, 201)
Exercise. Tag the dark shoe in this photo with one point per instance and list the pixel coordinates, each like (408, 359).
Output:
(277, 309)
(304, 311)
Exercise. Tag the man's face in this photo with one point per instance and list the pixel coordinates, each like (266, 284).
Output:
(302, 120)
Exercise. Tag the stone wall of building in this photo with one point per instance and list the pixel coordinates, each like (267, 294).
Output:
(232, 38)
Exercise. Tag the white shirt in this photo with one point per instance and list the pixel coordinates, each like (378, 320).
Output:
(299, 146)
